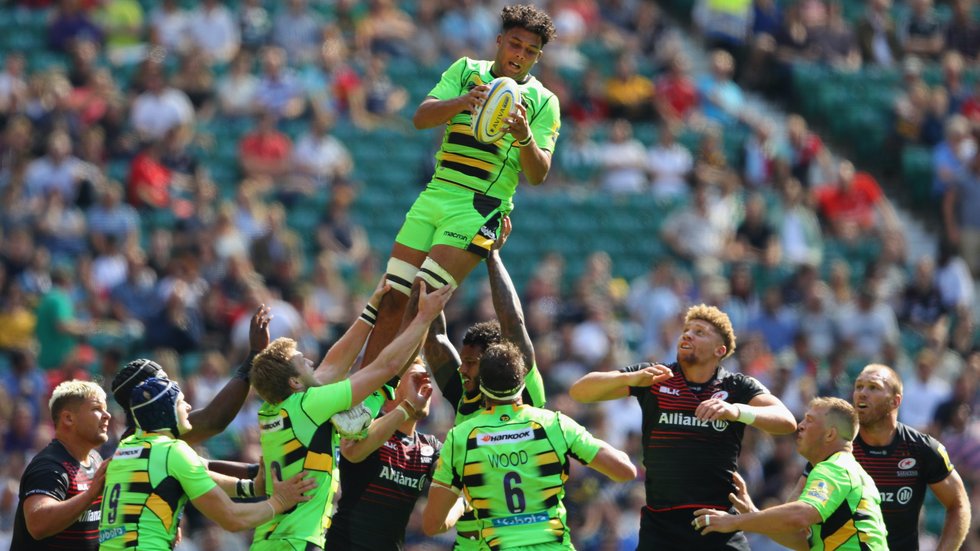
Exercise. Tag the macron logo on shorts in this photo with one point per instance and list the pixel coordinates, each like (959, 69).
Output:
(506, 437)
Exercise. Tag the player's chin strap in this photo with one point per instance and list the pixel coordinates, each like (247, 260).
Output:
(503, 395)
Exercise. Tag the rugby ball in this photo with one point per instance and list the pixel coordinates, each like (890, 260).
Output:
(490, 119)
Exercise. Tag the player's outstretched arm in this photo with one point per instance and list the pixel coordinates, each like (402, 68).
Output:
(214, 417)
(614, 463)
(337, 362)
(231, 516)
(442, 357)
(442, 510)
(611, 385)
(506, 302)
(45, 516)
(433, 112)
(384, 427)
(952, 494)
(786, 524)
(394, 356)
(764, 412)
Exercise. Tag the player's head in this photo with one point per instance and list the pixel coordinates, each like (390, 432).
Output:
(280, 370)
(158, 405)
(78, 408)
(830, 424)
(877, 394)
(132, 374)
(417, 372)
(707, 334)
(476, 340)
(524, 31)
(502, 372)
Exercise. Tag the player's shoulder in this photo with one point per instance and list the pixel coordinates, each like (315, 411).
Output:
(915, 439)
(739, 381)
(53, 455)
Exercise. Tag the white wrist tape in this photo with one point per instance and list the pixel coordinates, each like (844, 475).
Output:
(745, 414)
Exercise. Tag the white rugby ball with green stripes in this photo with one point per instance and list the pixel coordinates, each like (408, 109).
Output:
(490, 120)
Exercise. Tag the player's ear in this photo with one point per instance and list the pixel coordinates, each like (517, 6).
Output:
(721, 350)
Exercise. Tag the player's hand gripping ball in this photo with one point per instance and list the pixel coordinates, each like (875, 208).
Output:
(352, 423)
(489, 122)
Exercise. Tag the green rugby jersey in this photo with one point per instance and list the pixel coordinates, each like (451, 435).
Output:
(849, 504)
(511, 463)
(297, 434)
(147, 484)
(490, 169)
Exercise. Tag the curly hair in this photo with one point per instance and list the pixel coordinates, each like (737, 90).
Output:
(482, 334)
(719, 320)
(502, 367)
(271, 370)
(528, 17)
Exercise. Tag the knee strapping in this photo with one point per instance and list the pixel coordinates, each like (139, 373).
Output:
(435, 275)
(400, 275)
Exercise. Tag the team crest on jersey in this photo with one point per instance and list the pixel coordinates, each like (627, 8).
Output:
(505, 437)
(720, 395)
(906, 463)
(505, 417)
(820, 491)
(427, 451)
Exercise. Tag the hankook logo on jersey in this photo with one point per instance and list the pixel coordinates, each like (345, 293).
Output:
(506, 437)
(720, 395)
(273, 426)
(671, 391)
(128, 453)
(683, 420)
(906, 463)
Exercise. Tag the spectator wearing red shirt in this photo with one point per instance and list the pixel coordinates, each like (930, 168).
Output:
(677, 95)
(850, 205)
(805, 148)
(265, 152)
(149, 180)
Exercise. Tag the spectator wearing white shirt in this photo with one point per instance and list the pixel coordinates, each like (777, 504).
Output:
(213, 30)
(624, 161)
(169, 26)
(13, 88)
(237, 89)
(298, 32)
(868, 326)
(57, 171)
(670, 164)
(279, 91)
(923, 392)
(160, 108)
(320, 157)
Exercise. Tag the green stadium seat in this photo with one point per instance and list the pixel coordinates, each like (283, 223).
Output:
(917, 174)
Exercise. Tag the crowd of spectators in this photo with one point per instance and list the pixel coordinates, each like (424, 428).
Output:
(120, 235)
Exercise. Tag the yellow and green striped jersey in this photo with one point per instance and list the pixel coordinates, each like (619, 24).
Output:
(147, 484)
(489, 169)
(849, 504)
(511, 464)
(297, 434)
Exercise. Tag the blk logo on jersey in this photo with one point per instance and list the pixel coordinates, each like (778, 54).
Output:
(670, 391)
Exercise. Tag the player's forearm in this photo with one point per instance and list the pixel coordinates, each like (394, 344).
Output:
(338, 360)
(213, 418)
(787, 522)
(378, 433)
(600, 385)
(535, 162)
(955, 528)
(507, 305)
(774, 419)
(234, 469)
(50, 516)
(433, 112)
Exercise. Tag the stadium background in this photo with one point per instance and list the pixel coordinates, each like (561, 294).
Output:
(249, 184)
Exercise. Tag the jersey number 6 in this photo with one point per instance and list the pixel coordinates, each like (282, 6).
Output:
(515, 496)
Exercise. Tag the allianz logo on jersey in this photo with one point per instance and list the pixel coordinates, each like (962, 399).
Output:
(506, 437)
(902, 496)
(680, 419)
(128, 453)
(400, 478)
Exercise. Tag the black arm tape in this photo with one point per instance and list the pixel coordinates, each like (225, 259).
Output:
(245, 368)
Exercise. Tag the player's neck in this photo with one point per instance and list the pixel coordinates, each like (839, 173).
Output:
(78, 449)
(698, 373)
(407, 427)
(880, 433)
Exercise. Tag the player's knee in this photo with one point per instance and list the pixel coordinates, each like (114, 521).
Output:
(399, 275)
(435, 276)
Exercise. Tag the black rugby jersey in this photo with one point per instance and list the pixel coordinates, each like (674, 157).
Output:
(902, 471)
(55, 473)
(379, 493)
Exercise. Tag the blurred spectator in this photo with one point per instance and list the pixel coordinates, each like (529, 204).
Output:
(297, 31)
(275, 251)
(952, 155)
(71, 22)
(722, 101)
(265, 152)
(136, 298)
(923, 392)
(580, 159)
(962, 30)
(629, 94)
(806, 151)
(724, 24)
(933, 124)
(563, 52)
(676, 97)
(835, 42)
(877, 35)
(178, 325)
(670, 165)
(60, 226)
(922, 33)
(160, 108)
(338, 233)
(800, 238)
(236, 90)
(195, 79)
(960, 203)
(26, 384)
(695, 232)
(776, 322)
(759, 155)
(255, 24)
(756, 241)
(589, 99)
(911, 109)
(13, 87)
(149, 180)
(854, 204)
(17, 320)
(169, 23)
(58, 329)
(56, 172)
(212, 30)
(382, 99)
(385, 29)
(122, 23)
(279, 90)
(922, 306)
(654, 299)
(953, 278)
(953, 81)
(624, 162)
(867, 326)
(320, 158)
